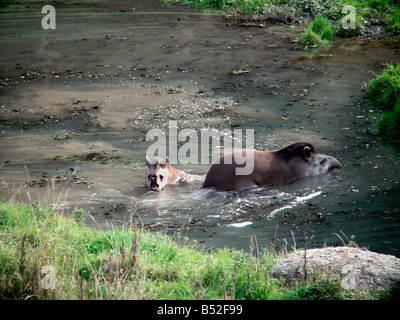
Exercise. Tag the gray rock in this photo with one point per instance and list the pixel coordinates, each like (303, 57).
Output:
(358, 269)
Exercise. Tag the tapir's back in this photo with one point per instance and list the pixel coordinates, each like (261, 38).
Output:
(227, 174)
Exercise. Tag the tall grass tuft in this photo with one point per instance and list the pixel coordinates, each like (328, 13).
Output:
(318, 33)
(309, 39)
(384, 90)
(323, 28)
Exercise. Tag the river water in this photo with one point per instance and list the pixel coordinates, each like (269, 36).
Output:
(77, 102)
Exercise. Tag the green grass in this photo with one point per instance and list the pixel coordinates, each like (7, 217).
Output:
(392, 20)
(388, 126)
(309, 39)
(319, 32)
(131, 264)
(384, 90)
(323, 28)
(384, 94)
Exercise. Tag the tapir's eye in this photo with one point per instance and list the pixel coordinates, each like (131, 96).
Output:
(161, 177)
(323, 161)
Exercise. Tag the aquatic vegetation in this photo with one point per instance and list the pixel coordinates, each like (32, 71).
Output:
(125, 263)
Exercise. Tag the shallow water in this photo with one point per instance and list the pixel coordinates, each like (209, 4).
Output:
(76, 105)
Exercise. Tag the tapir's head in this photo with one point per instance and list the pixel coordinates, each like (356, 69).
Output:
(157, 176)
(305, 161)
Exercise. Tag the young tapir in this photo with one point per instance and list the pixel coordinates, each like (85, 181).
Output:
(162, 173)
(277, 167)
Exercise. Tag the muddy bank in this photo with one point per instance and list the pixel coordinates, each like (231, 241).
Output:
(77, 102)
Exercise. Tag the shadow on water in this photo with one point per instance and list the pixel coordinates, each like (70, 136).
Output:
(76, 106)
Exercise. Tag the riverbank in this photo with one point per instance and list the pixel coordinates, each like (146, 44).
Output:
(47, 256)
(369, 14)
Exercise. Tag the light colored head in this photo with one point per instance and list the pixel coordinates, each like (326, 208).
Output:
(305, 161)
(157, 176)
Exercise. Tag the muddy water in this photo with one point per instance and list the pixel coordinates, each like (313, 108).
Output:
(78, 101)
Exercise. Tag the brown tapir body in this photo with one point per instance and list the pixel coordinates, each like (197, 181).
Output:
(277, 167)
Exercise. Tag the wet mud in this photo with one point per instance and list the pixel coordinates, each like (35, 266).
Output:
(76, 104)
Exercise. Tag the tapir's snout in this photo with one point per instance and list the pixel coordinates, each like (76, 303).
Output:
(334, 163)
(153, 183)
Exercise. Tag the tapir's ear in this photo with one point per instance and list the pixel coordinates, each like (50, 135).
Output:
(306, 152)
(148, 162)
(166, 159)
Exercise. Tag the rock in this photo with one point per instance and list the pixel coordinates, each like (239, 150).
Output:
(358, 269)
